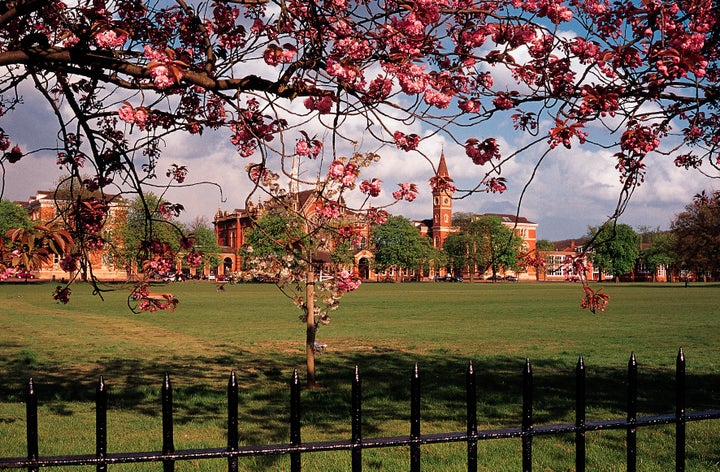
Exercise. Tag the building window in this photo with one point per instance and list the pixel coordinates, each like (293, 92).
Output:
(554, 264)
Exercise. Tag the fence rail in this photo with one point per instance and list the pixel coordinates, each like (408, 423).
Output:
(356, 444)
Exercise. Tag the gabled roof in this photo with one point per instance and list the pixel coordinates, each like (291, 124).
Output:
(508, 218)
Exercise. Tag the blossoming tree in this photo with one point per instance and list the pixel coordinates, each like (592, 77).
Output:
(121, 76)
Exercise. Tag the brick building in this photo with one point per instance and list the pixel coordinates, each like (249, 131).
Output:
(231, 228)
(46, 207)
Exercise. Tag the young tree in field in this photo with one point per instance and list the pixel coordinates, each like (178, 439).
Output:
(398, 244)
(695, 232)
(616, 249)
(291, 249)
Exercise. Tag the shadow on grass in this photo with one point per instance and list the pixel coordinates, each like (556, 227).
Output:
(199, 388)
(200, 391)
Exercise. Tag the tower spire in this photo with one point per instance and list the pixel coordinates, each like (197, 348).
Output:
(442, 170)
(442, 204)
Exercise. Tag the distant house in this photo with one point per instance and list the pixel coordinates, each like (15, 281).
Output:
(231, 231)
(557, 262)
(46, 207)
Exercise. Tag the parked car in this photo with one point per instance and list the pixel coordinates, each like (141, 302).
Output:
(511, 278)
(25, 274)
(448, 278)
(496, 277)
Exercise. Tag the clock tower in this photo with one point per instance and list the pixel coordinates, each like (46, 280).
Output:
(442, 204)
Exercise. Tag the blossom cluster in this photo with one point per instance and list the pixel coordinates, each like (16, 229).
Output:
(110, 38)
(346, 282)
(442, 183)
(152, 302)
(594, 300)
(309, 147)
(407, 191)
(138, 116)
(371, 187)
(406, 142)
(482, 152)
(164, 69)
(344, 173)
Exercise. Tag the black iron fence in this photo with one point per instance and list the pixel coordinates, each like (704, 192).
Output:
(357, 443)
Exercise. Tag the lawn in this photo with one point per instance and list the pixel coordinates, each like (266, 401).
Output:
(382, 328)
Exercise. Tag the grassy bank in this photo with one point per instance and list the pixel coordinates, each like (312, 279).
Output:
(384, 329)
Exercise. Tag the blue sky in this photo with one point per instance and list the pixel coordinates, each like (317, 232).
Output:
(573, 189)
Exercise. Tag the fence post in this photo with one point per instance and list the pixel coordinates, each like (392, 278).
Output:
(167, 423)
(632, 414)
(32, 424)
(295, 459)
(356, 413)
(101, 424)
(527, 421)
(232, 422)
(471, 399)
(580, 416)
(680, 412)
(415, 419)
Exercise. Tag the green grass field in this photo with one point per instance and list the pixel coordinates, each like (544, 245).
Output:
(382, 328)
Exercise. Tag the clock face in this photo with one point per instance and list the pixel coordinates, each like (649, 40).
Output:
(446, 200)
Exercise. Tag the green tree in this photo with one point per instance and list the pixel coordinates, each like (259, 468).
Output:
(459, 250)
(466, 251)
(660, 252)
(498, 243)
(272, 235)
(146, 225)
(697, 244)
(399, 244)
(462, 220)
(206, 241)
(12, 216)
(615, 248)
(544, 245)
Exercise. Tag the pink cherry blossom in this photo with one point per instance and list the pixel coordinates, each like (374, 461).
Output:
(437, 98)
(321, 104)
(345, 281)
(161, 77)
(110, 38)
(482, 152)
(337, 170)
(407, 191)
(406, 142)
(127, 113)
(371, 187)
